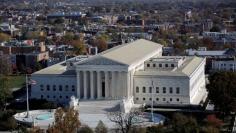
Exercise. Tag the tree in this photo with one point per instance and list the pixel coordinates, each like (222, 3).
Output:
(125, 121)
(32, 35)
(184, 124)
(5, 70)
(5, 65)
(208, 42)
(215, 28)
(4, 37)
(222, 90)
(213, 121)
(101, 128)
(79, 47)
(85, 129)
(155, 129)
(5, 91)
(210, 129)
(66, 121)
(101, 44)
(68, 37)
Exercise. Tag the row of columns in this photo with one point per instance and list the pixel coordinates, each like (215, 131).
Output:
(100, 84)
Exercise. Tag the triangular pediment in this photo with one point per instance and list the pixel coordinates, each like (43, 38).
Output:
(99, 60)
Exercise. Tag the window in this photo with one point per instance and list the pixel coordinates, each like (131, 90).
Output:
(177, 90)
(60, 96)
(48, 87)
(150, 89)
(157, 89)
(60, 87)
(164, 99)
(137, 98)
(157, 99)
(170, 99)
(144, 99)
(41, 96)
(48, 96)
(71, 64)
(164, 89)
(148, 65)
(66, 88)
(150, 99)
(54, 87)
(54, 97)
(137, 90)
(171, 90)
(172, 65)
(144, 90)
(41, 87)
(166, 65)
(177, 99)
(160, 65)
(154, 65)
(67, 97)
(73, 88)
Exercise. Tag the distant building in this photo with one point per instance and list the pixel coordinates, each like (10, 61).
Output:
(9, 29)
(227, 64)
(207, 25)
(213, 56)
(25, 56)
(221, 37)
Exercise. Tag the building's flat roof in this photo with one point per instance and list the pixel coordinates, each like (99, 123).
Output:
(206, 53)
(59, 68)
(186, 69)
(131, 52)
(125, 54)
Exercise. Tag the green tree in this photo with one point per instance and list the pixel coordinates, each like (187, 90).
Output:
(85, 129)
(5, 91)
(184, 124)
(5, 65)
(155, 129)
(215, 28)
(101, 128)
(222, 90)
(5, 70)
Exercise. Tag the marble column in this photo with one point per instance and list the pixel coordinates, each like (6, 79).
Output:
(91, 85)
(99, 92)
(119, 85)
(85, 85)
(113, 84)
(106, 84)
(78, 84)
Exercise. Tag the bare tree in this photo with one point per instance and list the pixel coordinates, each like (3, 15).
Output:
(125, 121)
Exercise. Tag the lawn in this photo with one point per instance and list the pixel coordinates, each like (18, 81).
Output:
(17, 81)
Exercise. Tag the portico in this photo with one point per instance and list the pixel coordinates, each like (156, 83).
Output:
(100, 84)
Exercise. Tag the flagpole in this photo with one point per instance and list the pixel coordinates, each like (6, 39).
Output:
(27, 96)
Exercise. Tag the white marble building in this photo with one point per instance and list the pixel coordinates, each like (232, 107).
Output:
(116, 74)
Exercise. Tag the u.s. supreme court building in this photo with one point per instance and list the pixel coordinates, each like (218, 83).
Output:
(135, 70)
